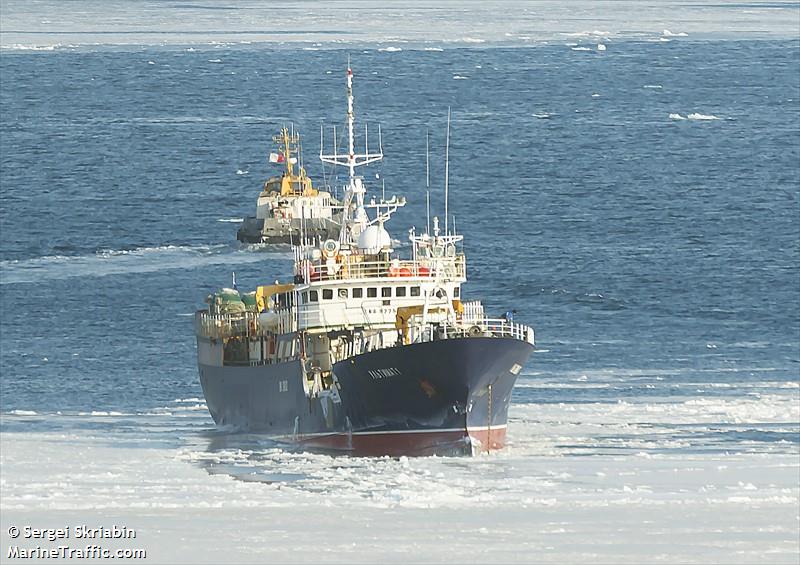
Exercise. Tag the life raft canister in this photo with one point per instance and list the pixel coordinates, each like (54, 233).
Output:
(395, 270)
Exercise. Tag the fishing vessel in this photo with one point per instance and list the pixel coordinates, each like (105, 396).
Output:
(361, 350)
(289, 200)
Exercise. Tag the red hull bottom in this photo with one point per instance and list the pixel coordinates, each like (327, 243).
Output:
(414, 443)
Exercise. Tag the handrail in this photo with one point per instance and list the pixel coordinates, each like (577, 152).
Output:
(220, 326)
(346, 268)
(246, 324)
(486, 327)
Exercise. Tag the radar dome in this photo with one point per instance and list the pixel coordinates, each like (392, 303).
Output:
(373, 239)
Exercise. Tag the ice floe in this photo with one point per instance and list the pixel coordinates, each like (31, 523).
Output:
(698, 116)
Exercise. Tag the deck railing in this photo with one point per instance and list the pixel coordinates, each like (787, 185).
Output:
(487, 327)
(246, 324)
(218, 326)
(346, 267)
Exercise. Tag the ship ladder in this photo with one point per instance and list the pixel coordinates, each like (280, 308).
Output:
(489, 421)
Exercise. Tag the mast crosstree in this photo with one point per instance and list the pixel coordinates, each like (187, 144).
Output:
(354, 217)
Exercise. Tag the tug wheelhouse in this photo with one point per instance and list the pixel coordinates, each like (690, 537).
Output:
(289, 204)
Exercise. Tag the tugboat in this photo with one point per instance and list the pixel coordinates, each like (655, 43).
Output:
(361, 351)
(289, 204)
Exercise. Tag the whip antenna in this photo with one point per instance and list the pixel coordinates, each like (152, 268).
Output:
(427, 182)
(446, 170)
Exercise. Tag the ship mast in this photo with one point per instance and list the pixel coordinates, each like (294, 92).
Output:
(286, 140)
(354, 218)
(288, 150)
(351, 159)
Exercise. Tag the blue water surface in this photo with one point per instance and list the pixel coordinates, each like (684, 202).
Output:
(637, 206)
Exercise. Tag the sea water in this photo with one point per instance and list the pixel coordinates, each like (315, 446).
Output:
(637, 204)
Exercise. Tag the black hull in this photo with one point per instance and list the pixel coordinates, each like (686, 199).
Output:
(440, 397)
(253, 230)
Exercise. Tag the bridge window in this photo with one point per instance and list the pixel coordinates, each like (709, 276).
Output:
(372, 292)
(358, 292)
(327, 293)
(456, 292)
(386, 292)
(304, 298)
(313, 295)
(400, 291)
(414, 291)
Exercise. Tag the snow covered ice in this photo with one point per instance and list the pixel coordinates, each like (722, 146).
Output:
(628, 481)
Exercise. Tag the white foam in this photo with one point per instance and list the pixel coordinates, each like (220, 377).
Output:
(23, 412)
(241, 172)
(460, 77)
(668, 33)
(201, 407)
(581, 48)
(656, 86)
(390, 49)
(542, 115)
(215, 60)
(601, 47)
(676, 117)
(231, 220)
(438, 49)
